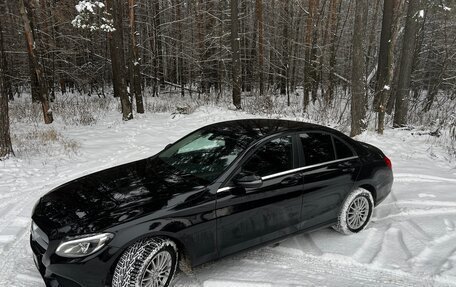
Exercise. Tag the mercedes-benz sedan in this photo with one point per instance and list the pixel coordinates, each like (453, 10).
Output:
(223, 188)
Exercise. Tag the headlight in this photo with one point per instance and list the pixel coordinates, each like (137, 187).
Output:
(81, 247)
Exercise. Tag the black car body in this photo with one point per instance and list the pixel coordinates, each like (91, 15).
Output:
(208, 216)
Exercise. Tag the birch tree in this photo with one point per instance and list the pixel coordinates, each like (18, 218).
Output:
(135, 72)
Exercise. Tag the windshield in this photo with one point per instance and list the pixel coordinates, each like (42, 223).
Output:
(204, 154)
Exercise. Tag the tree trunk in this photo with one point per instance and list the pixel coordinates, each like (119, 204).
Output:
(180, 60)
(372, 35)
(135, 72)
(382, 85)
(250, 49)
(272, 54)
(6, 148)
(201, 45)
(159, 73)
(314, 81)
(308, 54)
(333, 23)
(393, 68)
(236, 61)
(119, 82)
(37, 67)
(296, 52)
(34, 85)
(285, 37)
(358, 105)
(8, 88)
(407, 55)
(259, 18)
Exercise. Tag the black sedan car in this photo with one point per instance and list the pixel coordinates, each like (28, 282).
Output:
(224, 188)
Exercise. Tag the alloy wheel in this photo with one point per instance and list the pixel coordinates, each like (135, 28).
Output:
(358, 212)
(158, 270)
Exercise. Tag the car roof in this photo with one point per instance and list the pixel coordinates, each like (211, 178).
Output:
(258, 128)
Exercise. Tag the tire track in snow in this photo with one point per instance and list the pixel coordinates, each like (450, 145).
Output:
(410, 177)
(416, 231)
(378, 247)
(424, 203)
(371, 245)
(434, 256)
(280, 269)
(406, 214)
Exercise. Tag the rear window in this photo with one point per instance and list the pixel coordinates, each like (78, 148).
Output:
(318, 148)
(342, 149)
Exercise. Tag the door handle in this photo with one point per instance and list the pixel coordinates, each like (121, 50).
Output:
(348, 169)
(291, 180)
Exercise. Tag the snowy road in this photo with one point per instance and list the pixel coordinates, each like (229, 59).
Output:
(411, 241)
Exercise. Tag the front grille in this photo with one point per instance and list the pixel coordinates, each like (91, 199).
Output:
(39, 236)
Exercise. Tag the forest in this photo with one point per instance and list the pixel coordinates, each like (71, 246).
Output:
(355, 64)
(89, 86)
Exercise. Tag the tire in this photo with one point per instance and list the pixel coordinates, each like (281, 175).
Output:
(142, 255)
(351, 221)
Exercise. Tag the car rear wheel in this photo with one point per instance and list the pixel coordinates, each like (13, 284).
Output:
(356, 212)
(149, 262)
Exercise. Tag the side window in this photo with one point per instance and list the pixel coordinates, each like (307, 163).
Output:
(342, 150)
(273, 157)
(317, 147)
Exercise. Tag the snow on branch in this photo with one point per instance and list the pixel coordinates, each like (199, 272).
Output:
(92, 15)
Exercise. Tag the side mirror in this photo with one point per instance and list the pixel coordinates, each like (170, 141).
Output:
(249, 181)
(167, 146)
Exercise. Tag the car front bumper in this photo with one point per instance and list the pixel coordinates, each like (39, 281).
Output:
(94, 270)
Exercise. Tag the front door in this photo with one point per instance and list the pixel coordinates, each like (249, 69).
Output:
(250, 216)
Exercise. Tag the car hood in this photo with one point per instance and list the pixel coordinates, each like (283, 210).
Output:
(110, 197)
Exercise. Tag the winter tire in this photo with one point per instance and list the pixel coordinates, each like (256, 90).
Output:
(149, 262)
(356, 212)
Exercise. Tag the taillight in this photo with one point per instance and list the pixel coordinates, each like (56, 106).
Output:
(388, 162)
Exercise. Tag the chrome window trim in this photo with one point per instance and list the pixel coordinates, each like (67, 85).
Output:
(305, 167)
(224, 189)
(293, 170)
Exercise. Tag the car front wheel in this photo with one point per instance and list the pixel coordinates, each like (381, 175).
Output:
(356, 212)
(149, 262)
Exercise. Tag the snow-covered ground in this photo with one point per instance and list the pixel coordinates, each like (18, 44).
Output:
(410, 242)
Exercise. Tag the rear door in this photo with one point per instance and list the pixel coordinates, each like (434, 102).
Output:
(248, 217)
(330, 167)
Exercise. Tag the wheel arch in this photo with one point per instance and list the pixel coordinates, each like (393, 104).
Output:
(184, 257)
(371, 189)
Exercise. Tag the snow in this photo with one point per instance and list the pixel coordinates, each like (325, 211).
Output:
(421, 13)
(411, 240)
(87, 11)
(386, 88)
(89, 6)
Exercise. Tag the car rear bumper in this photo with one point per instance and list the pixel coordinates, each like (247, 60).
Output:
(56, 271)
(384, 188)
